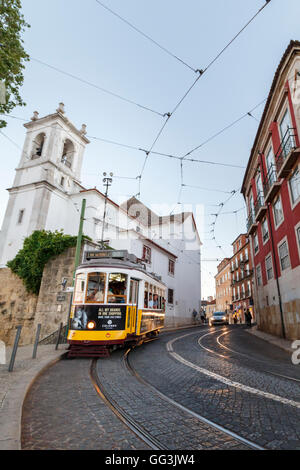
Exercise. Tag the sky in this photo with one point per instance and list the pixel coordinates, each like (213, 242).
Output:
(84, 39)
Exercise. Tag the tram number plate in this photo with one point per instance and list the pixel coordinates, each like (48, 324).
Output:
(106, 317)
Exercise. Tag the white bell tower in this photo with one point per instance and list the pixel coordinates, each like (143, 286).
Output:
(48, 173)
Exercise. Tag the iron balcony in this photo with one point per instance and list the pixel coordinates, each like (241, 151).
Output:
(287, 153)
(271, 184)
(260, 207)
(251, 224)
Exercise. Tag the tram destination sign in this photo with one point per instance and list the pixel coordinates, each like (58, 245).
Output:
(106, 254)
(106, 317)
(110, 254)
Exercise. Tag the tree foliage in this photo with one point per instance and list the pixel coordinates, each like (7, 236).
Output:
(12, 55)
(37, 249)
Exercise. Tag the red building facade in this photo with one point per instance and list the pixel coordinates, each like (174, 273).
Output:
(271, 189)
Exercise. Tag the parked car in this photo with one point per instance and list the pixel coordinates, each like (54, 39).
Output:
(218, 318)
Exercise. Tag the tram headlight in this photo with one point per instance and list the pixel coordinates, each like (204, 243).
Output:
(91, 325)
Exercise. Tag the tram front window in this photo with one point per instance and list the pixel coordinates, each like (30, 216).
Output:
(96, 287)
(117, 287)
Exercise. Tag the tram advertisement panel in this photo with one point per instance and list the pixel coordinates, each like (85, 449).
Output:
(104, 317)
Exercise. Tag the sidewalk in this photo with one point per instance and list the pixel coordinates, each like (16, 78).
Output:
(275, 340)
(15, 385)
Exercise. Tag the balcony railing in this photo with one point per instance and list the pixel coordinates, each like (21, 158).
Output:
(287, 154)
(271, 184)
(260, 207)
(251, 224)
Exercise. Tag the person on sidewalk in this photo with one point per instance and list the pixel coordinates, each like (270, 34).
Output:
(248, 318)
(195, 314)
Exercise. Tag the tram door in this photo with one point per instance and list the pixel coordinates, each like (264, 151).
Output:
(133, 305)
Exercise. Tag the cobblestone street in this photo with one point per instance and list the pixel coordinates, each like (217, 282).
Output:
(228, 390)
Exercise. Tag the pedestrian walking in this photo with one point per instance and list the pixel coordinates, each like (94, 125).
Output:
(248, 318)
(195, 314)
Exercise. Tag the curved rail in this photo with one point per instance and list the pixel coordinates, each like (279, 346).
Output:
(226, 332)
(251, 445)
(121, 414)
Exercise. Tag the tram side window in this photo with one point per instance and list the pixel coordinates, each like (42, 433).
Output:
(117, 287)
(155, 298)
(146, 295)
(150, 302)
(79, 289)
(159, 299)
(96, 287)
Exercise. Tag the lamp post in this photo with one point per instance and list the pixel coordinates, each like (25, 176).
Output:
(107, 182)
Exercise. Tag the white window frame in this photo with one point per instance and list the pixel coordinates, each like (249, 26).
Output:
(296, 202)
(284, 239)
(269, 256)
(258, 267)
(273, 209)
(297, 227)
(170, 272)
(268, 231)
(255, 252)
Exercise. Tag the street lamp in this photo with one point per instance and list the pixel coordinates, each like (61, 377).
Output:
(107, 180)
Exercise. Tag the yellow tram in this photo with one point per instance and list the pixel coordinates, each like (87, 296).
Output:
(115, 302)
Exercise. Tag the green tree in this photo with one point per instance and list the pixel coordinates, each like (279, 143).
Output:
(12, 56)
(37, 249)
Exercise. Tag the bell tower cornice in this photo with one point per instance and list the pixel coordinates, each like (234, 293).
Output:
(45, 120)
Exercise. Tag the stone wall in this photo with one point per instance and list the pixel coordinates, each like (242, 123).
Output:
(54, 303)
(269, 319)
(50, 307)
(17, 307)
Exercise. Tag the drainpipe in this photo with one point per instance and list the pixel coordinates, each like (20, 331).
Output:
(274, 255)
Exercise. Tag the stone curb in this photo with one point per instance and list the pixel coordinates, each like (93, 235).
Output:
(12, 411)
(279, 342)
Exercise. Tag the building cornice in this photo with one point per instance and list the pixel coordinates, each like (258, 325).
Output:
(55, 116)
(292, 50)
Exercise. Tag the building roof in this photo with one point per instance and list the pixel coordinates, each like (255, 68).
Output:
(240, 235)
(292, 45)
(147, 217)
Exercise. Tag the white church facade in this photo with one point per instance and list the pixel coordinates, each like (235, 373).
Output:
(47, 194)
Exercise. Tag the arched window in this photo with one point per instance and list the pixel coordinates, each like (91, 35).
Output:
(38, 145)
(67, 154)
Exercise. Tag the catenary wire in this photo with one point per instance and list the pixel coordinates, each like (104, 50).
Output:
(116, 95)
(146, 36)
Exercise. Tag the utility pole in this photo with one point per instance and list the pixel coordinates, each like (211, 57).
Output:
(79, 239)
(77, 257)
(107, 182)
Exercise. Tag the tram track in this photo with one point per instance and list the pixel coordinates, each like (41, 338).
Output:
(226, 348)
(187, 410)
(137, 428)
(131, 423)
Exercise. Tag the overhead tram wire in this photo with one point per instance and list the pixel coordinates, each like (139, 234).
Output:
(104, 90)
(146, 36)
(167, 155)
(248, 113)
(201, 72)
